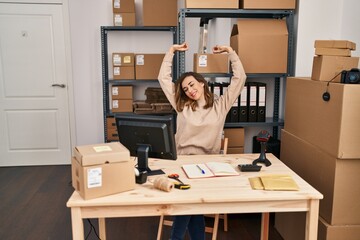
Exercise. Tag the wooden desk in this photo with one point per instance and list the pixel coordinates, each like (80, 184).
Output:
(206, 196)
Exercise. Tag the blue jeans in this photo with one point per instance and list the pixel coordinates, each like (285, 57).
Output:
(194, 223)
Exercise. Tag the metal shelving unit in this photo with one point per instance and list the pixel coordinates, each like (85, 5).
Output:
(206, 14)
(105, 64)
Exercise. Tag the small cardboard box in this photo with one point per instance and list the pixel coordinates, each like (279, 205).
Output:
(101, 170)
(121, 105)
(110, 123)
(123, 6)
(337, 179)
(160, 13)
(231, 4)
(123, 73)
(235, 136)
(262, 45)
(112, 134)
(325, 68)
(268, 4)
(123, 59)
(344, 52)
(333, 125)
(124, 19)
(121, 92)
(147, 66)
(335, 44)
(211, 63)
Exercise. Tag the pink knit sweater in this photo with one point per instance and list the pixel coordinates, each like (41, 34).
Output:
(199, 131)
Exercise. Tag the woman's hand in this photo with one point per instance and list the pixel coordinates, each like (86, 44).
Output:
(179, 47)
(221, 49)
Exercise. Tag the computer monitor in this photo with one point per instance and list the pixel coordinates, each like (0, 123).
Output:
(147, 136)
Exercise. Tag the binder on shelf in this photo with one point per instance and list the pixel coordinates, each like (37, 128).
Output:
(261, 102)
(251, 101)
(243, 109)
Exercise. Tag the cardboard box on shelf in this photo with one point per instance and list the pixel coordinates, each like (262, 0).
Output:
(332, 126)
(121, 92)
(112, 134)
(123, 73)
(268, 4)
(335, 44)
(123, 6)
(147, 66)
(211, 63)
(123, 59)
(110, 123)
(325, 68)
(121, 105)
(235, 136)
(335, 178)
(344, 52)
(262, 45)
(124, 19)
(231, 4)
(102, 169)
(160, 13)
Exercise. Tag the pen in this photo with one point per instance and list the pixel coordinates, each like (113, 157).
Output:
(202, 170)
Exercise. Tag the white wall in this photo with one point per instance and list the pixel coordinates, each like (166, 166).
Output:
(321, 19)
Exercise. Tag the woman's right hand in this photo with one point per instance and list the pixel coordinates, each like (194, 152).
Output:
(179, 47)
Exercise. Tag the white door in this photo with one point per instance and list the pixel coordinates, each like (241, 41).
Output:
(34, 111)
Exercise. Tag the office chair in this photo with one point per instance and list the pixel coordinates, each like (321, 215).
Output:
(214, 229)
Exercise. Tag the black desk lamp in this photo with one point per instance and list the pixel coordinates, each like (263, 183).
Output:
(263, 137)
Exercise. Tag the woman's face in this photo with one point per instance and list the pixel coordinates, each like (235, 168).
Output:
(193, 88)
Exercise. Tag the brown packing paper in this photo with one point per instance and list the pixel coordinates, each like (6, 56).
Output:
(275, 182)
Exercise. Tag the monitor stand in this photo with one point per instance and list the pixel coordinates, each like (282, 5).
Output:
(142, 156)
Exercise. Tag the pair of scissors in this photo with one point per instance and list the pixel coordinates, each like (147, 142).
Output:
(179, 185)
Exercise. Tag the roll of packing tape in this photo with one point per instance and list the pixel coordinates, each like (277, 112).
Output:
(163, 184)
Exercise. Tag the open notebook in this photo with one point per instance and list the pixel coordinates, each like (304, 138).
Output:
(210, 169)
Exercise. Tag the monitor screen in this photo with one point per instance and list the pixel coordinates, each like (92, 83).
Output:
(147, 136)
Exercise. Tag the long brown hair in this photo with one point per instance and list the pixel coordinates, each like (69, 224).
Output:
(183, 100)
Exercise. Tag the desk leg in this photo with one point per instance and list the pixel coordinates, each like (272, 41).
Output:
(77, 224)
(265, 226)
(102, 229)
(312, 218)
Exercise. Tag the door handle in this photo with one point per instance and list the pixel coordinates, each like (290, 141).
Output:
(59, 85)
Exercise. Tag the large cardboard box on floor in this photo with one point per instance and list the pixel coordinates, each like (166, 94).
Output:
(262, 45)
(326, 68)
(231, 4)
(211, 63)
(102, 169)
(291, 226)
(337, 232)
(147, 66)
(160, 13)
(332, 126)
(267, 4)
(337, 179)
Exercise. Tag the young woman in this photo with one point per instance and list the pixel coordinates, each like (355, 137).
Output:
(200, 119)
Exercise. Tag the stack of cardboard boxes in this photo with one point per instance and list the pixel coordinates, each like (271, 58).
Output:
(320, 142)
(333, 56)
(102, 169)
(124, 12)
(235, 140)
(121, 99)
